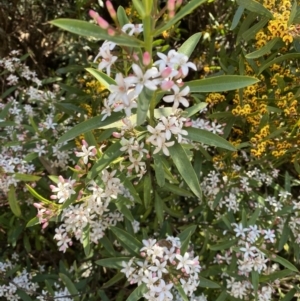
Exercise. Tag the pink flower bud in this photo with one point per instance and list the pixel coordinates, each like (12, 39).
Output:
(143, 254)
(37, 205)
(178, 4)
(171, 5)
(84, 143)
(111, 32)
(116, 135)
(61, 179)
(171, 14)
(45, 225)
(135, 57)
(166, 72)
(146, 58)
(102, 23)
(93, 14)
(111, 10)
(188, 124)
(167, 85)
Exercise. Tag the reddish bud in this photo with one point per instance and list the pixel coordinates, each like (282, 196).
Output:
(111, 10)
(167, 85)
(116, 135)
(102, 23)
(171, 5)
(146, 58)
(93, 14)
(111, 32)
(178, 4)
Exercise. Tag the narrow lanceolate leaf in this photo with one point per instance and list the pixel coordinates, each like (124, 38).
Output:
(128, 240)
(284, 262)
(87, 29)
(89, 125)
(13, 202)
(195, 109)
(110, 154)
(122, 17)
(86, 240)
(26, 178)
(221, 83)
(143, 105)
(237, 16)
(255, 7)
(185, 237)
(181, 292)
(70, 286)
(104, 79)
(38, 196)
(185, 168)
(34, 221)
(113, 262)
(290, 56)
(184, 11)
(264, 50)
(208, 138)
(207, 283)
(138, 293)
(159, 208)
(113, 280)
(159, 170)
(190, 44)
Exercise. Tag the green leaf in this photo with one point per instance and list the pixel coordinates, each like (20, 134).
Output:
(159, 208)
(113, 262)
(104, 79)
(36, 195)
(113, 280)
(185, 237)
(108, 246)
(87, 29)
(109, 155)
(293, 13)
(138, 292)
(89, 125)
(123, 209)
(128, 240)
(289, 295)
(131, 188)
(275, 276)
(255, 281)
(147, 191)
(181, 292)
(122, 17)
(283, 262)
(70, 286)
(190, 44)
(23, 295)
(13, 202)
(237, 17)
(208, 138)
(185, 168)
(34, 221)
(289, 56)
(253, 30)
(159, 170)
(207, 283)
(86, 240)
(143, 105)
(264, 50)
(184, 11)
(139, 8)
(26, 178)
(255, 7)
(223, 245)
(194, 109)
(221, 83)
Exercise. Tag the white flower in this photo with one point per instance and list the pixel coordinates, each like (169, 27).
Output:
(159, 268)
(178, 97)
(146, 79)
(133, 28)
(184, 262)
(269, 235)
(249, 250)
(163, 290)
(86, 152)
(240, 231)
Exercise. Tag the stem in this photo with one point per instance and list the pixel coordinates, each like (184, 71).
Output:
(148, 38)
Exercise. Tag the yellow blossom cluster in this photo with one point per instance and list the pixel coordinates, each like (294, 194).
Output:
(278, 26)
(215, 98)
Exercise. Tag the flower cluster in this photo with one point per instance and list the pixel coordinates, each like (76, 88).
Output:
(163, 268)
